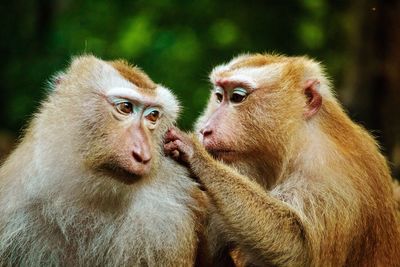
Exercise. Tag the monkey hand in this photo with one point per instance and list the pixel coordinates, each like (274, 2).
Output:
(179, 145)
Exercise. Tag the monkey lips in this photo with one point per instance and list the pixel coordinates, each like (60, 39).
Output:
(221, 153)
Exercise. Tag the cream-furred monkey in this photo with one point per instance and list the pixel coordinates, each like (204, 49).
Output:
(293, 181)
(89, 185)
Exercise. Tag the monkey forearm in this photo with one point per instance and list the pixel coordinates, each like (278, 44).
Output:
(265, 224)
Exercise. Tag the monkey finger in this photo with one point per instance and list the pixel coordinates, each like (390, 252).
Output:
(175, 154)
(170, 136)
(181, 145)
(170, 147)
(176, 133)
(186, 150)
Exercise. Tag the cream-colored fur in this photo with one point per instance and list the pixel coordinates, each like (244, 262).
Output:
(55, 210)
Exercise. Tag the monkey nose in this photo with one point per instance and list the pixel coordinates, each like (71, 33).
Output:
(206, 132)
(141, 158)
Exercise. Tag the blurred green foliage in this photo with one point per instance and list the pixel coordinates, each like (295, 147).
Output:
(176, 42)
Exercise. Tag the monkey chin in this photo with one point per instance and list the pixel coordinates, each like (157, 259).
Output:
(220, 151)
(122, 174)
(224, 155)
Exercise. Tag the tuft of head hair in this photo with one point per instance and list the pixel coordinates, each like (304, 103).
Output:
(133, 74)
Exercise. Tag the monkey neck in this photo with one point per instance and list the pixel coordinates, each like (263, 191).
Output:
(262, 169)
(329, 142)
(100, 192)
(265, 173)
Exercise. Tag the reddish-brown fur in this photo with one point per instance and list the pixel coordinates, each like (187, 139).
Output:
(134, 75)
(297, 190)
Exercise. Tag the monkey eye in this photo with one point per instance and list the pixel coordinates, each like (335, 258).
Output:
(238, 95)
(124, 108)
(219, 97)
(219, 93)
(152, 114)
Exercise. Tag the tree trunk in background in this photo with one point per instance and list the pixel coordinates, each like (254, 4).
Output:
(372, 90)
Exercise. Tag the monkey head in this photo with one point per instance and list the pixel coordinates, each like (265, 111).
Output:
(258, 102)
(117, 113)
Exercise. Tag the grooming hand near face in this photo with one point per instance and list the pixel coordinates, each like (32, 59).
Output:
(89, 184)
(293, 181)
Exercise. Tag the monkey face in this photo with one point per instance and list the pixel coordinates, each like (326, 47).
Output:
(134, 125)
(220, 128)
(252, 107)
(122, 131)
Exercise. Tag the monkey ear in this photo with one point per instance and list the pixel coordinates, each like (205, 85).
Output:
(313, 98)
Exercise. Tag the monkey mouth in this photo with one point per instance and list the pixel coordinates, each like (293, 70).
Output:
(222, 153)
(120, 173)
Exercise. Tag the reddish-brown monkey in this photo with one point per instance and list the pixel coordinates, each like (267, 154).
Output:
(293, 180)
(89, 184)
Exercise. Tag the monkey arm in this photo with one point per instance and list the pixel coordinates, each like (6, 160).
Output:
(264, 226)
(261, 222)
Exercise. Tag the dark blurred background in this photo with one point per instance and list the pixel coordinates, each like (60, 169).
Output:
(177, 43)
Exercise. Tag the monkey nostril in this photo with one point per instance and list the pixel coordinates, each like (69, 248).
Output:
(146, 161)
(141, 159)
(137, 157)
(206, 132)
